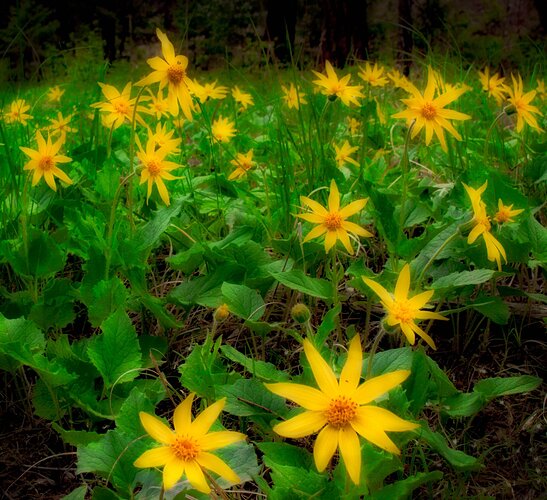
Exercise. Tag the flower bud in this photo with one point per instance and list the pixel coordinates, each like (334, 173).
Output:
(221, 313)
(300, 313)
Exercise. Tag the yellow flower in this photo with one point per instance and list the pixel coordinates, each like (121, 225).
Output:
(493, 85)
(429, 112)
(403, 310)
(333, 221)
(494, 249)
(242, 98)
(60, 125)
(18, 112)
(521, 103)
(373, 75)
(171, 71)
(44, 161)
(400, 81)
(186, 450)
(339, 410)
(506, 213)
(155, 168)
(331, 86)
(118, 107)
(293, 96)
(208, 91)
(343, 154)
(158, 105)
(54, 94)
(379, 112)
(163, 137)
(540, 89)
(221, 312)
(243, 163)
(223, 129)
(353, 126)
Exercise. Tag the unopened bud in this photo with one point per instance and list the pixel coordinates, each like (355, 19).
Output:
(221, 312)
(300, 313)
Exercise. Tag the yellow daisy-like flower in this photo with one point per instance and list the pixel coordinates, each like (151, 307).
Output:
(223, 129)
(540, 89)
(332, 87)
(208, 91)
(186, 450)
(343, 154)
(506, 213)
(44, 161)
(429, 112)
(171, 72)
(54, 94)
(18, 112)
(340, 411)
(163, 137)
(403, 310)
(494, 249)
(521, 104)
(373, 75)
(293, 96)
(118, 107)
(155, 168)
(353, 126)
(242, 98)
(243, 163)
(332, 222)
(60, 125)
(158, 104)
(493, 85)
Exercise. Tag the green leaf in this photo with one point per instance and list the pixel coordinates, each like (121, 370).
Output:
(463, 278)
(76, 438)
(102, 493)
(107, 297)
(403, 489)
(77, 494)
(241, 457)
(288, 454)
(499, 386)
(261, 369)
(116, 352)
(377, 464)
(417, 385)
(55, 306)
(458, 459)
(389, 361)
(243, 302)
(189, 260)
(444, 386)
(297, 280)
(329, 323)
(148, 234)
(493, 308)
(463, 404)
(44, 404)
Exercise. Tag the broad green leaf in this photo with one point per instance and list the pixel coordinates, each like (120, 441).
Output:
(189, 260)
(261, 369)
(116, 352)
(55, 306)
(243, 302)
(77, 494)
(329, 323)
(463, 404)
(389, 361)
(298, 280)
(241, 457)
(76, 438)
(493, 308)
(107, 297)
(463, 278)
(148, 234)
(417, 384)
(44, 405)
(403, 489)
(377, 465)
(499, 386)
(102, 493)
(444, 386)
(458, 459)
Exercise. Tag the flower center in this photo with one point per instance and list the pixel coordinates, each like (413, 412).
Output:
(503, 216)
(175, 74)
(154, 167)
(341, 411)
(185, 448)
(428, 111)
(122, 108)
(483, 221)
(402, 312)
(46, 163)
(333, 221)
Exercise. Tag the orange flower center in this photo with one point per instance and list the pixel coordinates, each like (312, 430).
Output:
(503, 215)
(402, 312)
(121, 107)
(185, 448)
(483, 221)
(428, 111)
(341, 411)
(333, 221)
(175, 73)
(46, 163)
(154, 167)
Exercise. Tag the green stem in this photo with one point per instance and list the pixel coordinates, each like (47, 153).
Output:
(373, 350)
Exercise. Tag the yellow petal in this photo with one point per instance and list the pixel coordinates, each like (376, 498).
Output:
(325, 446)
(50, 180)
(375, 387)
(342, 235)
(182, 417)
(162, 190)
(203, 422)
(334, 197)
(351, 373)
(420, 300)
(353, 208)
(172, 472)
(424, 336)
(155, 457)
(372, 431)
(156, 428)
(324, 376)
(384, 295)
(350, 450)
(303, 395)
(356, 229)
(215, 440)
(408, 330)
(316, 208)
(302, 425)
(385, 419)
(315, 233)
(403, 284)
(330, 240)
(196, 477)
(215, 464)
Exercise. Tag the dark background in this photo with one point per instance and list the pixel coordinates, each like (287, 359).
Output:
(250, 32)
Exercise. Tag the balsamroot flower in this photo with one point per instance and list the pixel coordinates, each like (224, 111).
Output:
(403, 310)
(493, 85)
(118, 106)
(242, 98)
(506, 213)
(521, 104)
(60, 125)
(332, 222)
(293, 96)
(343, 153)
(186, 449)
(243, 163)
(208, 91)
(340, 411)
(373, 75)
(18, 112)
(54, 94)
(223, 129)
(44, 161)
(429, 113)
(332, 87)
(171, 72)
